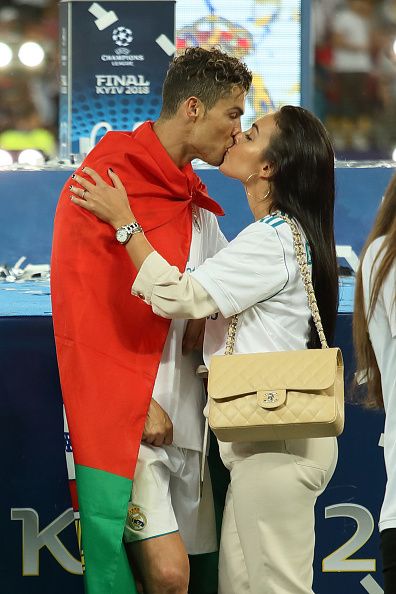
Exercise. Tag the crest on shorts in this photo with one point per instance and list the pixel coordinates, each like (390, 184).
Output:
(136, 519)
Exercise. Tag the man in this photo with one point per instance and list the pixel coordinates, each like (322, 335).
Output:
(121, 367)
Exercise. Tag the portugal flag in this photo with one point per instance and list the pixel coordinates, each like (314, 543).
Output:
(109, 343)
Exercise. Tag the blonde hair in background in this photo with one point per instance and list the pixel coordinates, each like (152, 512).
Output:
(367, 366)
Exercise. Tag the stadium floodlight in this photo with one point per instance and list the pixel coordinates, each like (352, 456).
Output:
(31, 157)
(5, 54)
(5, 158)
(31, 54)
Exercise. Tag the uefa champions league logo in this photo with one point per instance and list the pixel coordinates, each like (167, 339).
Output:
(122, 36)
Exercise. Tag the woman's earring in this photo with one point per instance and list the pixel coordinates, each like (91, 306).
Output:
(250, 177)
(268, 192)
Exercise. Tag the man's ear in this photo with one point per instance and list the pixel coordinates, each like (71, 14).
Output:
(193, 108)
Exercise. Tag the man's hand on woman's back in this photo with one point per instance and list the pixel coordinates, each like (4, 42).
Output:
(158, 428)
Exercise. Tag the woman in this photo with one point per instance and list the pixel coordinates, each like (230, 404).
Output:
(286, 163)
(374, 328)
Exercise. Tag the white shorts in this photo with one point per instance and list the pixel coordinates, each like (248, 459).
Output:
(166, 498)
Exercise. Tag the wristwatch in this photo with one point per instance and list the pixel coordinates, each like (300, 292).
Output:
(124, 233)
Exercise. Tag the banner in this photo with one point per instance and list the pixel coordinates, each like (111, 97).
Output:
(270, 37)
(114, 57)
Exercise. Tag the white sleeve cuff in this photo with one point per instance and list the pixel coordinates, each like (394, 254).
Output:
(151, 271)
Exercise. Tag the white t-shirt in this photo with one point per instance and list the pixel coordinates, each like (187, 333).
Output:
(382, 331)
(177, 389)
(257, 274)
(355, 29)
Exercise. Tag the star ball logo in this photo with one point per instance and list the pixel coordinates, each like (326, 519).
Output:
(122, 36)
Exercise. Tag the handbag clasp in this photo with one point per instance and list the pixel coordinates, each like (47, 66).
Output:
(270, 398)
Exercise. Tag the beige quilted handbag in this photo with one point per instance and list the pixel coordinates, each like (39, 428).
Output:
(278, 395)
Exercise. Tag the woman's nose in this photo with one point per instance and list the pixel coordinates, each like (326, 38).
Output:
(238, 137)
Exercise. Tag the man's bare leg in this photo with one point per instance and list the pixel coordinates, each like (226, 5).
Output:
(162, 563)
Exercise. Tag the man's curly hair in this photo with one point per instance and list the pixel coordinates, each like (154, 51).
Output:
(206, 74)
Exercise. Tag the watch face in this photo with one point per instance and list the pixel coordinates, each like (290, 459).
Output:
(122, 235)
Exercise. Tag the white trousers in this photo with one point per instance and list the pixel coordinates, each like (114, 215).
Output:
(267, 538)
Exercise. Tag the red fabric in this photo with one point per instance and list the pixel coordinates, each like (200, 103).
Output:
(109, 343)
(73, 494)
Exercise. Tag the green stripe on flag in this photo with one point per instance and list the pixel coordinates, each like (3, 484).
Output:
(103, 502)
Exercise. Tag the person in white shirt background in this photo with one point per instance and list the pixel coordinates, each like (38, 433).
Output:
(286, 163)
(353, 67)
(374, 326)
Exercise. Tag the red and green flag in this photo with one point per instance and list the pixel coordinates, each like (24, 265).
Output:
(109, 343)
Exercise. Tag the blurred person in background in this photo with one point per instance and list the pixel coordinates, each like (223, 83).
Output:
(27, 132)
(29, 95)
(374, 329)
(385, 131)
(322, 12)
(353, 66)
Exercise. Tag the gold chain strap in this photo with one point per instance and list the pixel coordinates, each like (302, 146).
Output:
(301, 257)
(230, 340)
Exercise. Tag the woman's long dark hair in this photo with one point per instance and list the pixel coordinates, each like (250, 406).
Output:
(384, 225)
(303, 186)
